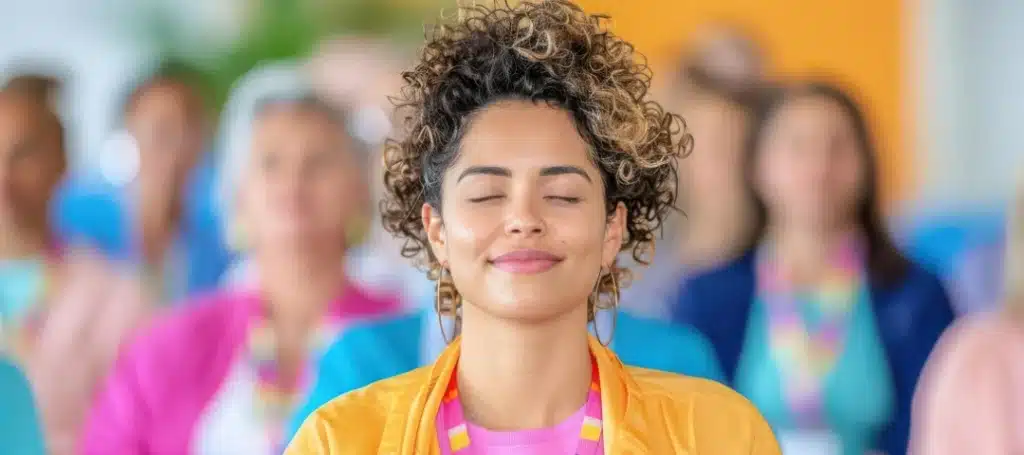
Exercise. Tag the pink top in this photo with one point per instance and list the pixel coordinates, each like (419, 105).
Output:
(580, 434)
(560, 439)
(164, 382)
(971, 397)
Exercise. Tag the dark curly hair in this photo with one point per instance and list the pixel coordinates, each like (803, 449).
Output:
(545, 52)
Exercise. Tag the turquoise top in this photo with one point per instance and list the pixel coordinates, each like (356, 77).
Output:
(19, 423)
(21, 286)
(858, 393)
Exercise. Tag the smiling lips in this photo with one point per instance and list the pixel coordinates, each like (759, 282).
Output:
(526, 261)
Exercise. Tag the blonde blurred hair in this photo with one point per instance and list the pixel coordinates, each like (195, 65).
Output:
(1014, 277)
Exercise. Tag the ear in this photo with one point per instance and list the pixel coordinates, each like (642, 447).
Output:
(434, 228)
(614, 232)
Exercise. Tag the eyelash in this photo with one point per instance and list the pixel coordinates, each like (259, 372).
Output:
(484, 199)
(570, 200)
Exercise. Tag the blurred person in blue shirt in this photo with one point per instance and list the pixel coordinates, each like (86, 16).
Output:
(20, 433)
(150, 202)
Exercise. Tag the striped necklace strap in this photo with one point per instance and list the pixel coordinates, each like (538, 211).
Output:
(453, 420)
(274, 400)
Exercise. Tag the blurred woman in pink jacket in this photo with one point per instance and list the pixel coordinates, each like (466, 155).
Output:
(221, 374)
(972, 397)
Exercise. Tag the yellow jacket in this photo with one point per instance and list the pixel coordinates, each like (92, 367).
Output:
(645, 412)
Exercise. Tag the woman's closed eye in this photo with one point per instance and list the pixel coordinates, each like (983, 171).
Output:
(486, 198)
(564, 199)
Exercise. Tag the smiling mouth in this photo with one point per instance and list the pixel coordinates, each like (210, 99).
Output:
(526, 262)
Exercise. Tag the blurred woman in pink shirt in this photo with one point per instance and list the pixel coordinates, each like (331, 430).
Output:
(971, 399)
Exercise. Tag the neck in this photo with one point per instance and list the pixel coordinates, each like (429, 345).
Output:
(298, 291)
(158, 224)
(17, 242)
(719, 235)
(516, 376)
(805, 250)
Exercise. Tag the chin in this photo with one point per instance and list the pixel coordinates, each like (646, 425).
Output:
(526, 310)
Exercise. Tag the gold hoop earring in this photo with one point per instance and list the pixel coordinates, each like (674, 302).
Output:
(445, 292)
(614, 307)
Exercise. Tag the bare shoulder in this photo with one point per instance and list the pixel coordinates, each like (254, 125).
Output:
(711, 416)
(352, 423)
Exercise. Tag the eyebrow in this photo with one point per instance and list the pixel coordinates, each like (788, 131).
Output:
(505, 172)
(562, 170)
(485, 170)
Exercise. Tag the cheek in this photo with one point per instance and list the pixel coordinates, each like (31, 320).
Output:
(584, 231)
(31, 181)
(777, 179)
(469, 232)
(848, 182)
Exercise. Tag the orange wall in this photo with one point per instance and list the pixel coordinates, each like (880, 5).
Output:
(860, 41)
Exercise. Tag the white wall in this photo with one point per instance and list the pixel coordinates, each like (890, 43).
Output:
(95, 42)
(81, 37)
(971, 101)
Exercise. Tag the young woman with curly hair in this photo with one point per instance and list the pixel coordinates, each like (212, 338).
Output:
(533, 158)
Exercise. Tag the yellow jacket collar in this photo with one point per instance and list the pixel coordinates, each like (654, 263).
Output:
(412, 431)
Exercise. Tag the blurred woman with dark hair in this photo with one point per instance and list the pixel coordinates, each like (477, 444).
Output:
(972, 398)
(32, 164)
(57, 316)
(823, 324)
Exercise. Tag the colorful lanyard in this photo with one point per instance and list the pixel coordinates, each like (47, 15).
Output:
(274, 401)
(24, 328)
(807, 327)
(454, 421)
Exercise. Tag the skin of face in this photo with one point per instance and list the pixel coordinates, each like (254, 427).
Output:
(811, 168)
(166, 123)
(303, 184)
(713, 172)
(32, 161)
(524, 184)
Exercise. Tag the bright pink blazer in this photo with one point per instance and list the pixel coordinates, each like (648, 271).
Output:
(162, 383)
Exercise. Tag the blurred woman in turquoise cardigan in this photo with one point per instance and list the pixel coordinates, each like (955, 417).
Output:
(823, 324)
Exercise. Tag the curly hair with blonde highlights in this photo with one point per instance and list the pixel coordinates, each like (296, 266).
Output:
(546, 52)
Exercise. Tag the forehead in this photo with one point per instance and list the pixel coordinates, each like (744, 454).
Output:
(297, 124)
(292, 117)
(18, 114)
(522, 134)
(813, 111)
(164, 97)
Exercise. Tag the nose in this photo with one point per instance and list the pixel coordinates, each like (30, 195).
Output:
(523, 220)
